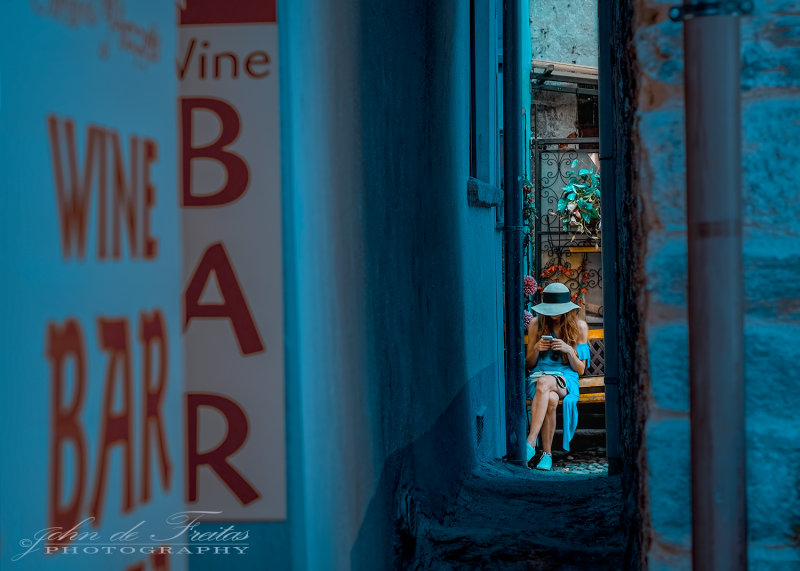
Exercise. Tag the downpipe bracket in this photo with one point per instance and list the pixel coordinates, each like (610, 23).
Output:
(700, 9)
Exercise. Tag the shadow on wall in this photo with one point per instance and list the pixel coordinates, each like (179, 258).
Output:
(414, 172)
(415, 486)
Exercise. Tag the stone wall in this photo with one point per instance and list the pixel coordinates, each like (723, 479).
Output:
(554, 115)
(564, 31)
(770, 119)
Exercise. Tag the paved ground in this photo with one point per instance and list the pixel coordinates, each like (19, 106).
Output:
(580, 461)
(510, 517)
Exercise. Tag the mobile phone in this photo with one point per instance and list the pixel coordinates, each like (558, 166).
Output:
(547, 337)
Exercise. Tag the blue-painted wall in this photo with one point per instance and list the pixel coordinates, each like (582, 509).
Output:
(73, 419)
(393, 287)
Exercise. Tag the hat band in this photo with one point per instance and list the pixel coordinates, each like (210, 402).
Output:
(555, 297)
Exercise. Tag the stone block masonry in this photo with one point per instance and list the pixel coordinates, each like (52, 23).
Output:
(770, 120)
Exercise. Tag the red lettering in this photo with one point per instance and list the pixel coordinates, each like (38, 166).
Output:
(116, 426)
(234, 306)
(217, 459)
(153, 333)
(160, 558)
(102, 209)
(65, 343)
(150, 156)
(64, 346)
(236, 170)
(257, 58)
(124, 195)
(73, 200)
(218, 64)
(185, 65)
(74, 190)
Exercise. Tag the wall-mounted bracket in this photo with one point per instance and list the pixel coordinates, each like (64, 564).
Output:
(698, 9)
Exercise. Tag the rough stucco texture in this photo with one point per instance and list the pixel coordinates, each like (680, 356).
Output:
(564, 31)
(555, 115)
(770, 117)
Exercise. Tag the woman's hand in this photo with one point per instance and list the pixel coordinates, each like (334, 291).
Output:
(572, 355)
(543, 345)
(561, 346)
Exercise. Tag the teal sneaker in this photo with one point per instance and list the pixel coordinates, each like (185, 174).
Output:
(531, 452)
(546, 462)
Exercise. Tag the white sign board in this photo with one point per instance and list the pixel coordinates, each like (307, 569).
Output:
(227, 66)
(90, 344)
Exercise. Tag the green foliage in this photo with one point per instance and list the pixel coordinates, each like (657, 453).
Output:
(528, 207)
(579, 206)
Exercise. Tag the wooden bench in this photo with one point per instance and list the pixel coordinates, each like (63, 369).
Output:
(592, 383)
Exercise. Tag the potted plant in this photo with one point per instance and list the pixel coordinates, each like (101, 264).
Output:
(579, 206)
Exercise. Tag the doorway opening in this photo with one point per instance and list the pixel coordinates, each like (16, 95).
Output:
(562, 519)
(563, 216)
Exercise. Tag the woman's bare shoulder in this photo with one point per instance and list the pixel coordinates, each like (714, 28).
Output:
(583, 331)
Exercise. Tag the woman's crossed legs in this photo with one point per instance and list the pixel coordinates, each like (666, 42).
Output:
(543, 411)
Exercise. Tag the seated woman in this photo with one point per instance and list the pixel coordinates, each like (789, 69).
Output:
(557, 353)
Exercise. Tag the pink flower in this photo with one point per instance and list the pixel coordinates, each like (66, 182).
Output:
(527, 316)
(529, 285)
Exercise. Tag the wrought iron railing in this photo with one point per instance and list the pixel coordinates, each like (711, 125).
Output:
(551, 252)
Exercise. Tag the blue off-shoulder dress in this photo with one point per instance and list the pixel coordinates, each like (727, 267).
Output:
(569, 411)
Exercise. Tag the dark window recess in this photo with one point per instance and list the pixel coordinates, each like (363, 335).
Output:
(588, 117)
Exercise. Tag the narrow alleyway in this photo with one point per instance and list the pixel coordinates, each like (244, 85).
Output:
(508, 517)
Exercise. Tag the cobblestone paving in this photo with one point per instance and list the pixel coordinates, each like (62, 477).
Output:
(508, 517)
(587, 462)
(583, 468)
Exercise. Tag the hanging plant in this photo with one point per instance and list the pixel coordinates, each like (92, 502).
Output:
(528, 204)
(528, 212)
(579, 206)
(529, 289)
(527, 317)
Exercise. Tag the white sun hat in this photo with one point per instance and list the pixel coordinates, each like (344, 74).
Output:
(555, 300)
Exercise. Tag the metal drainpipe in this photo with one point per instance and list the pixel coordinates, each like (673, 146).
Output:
(513, 147)
(609, 242)
(716, 324)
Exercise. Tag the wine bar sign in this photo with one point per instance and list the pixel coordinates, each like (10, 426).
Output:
(229, 164)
